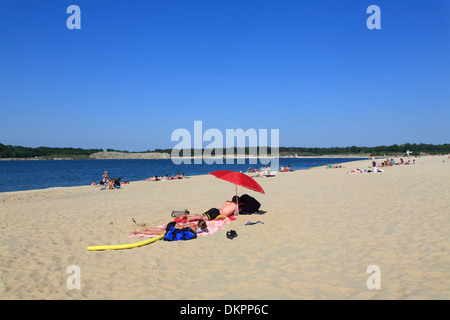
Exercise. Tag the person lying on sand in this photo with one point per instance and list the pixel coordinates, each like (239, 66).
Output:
(201, 224)
(266, 172)
(356, 171)
(228, 209)
(166, 177)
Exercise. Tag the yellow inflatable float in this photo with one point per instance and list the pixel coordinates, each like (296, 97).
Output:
(125, 246)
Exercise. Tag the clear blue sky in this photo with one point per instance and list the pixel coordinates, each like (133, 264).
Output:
(139, 69)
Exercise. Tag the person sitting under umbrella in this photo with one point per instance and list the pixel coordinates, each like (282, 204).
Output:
(247, 204)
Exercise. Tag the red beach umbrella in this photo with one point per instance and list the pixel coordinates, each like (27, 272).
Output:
(239, 179)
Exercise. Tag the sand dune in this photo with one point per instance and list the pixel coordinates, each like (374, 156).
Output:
(322, 229)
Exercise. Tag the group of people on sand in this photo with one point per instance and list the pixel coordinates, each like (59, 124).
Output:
(108, 183)
(166, 177)
(385, 163)
(375, 169)
(265, 172)
(287, 169)
(391, 162)
(198, 221)
(334, 166)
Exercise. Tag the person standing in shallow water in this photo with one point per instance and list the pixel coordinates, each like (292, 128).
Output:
(105, 178)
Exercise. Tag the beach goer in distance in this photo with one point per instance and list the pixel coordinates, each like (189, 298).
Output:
(110, 185)
(199, 226)
(374, 164)
(105, 176)
(117, 183)
(228, 209)
(265, 172)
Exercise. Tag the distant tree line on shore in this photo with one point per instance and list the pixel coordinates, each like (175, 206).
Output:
(415, 149)
(8, 151)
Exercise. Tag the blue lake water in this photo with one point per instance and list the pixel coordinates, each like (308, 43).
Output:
(41, 174)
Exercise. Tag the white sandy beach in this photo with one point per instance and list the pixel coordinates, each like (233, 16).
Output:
(322, 229)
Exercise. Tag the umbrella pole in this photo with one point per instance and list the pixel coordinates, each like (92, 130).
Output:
(237, 203)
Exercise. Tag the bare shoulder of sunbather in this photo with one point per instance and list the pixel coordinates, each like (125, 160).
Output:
(228, 208)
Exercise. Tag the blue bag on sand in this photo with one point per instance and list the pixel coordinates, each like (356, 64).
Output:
(174, 234)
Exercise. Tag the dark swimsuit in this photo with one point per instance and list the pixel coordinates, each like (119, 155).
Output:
(212, 213)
